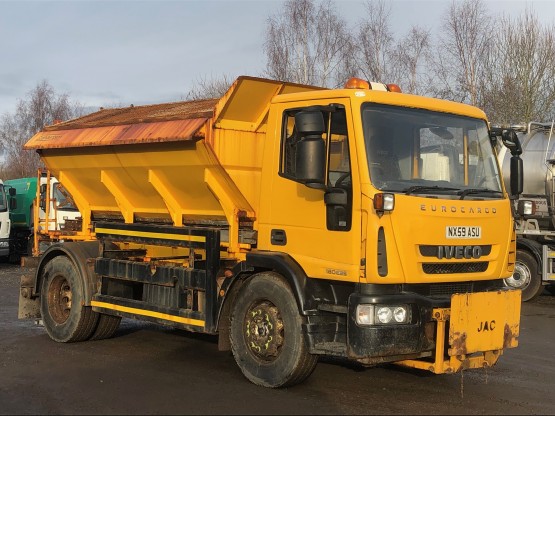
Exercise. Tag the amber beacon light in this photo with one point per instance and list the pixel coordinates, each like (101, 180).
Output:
(357, 83)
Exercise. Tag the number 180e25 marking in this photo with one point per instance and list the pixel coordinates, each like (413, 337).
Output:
(463, 232)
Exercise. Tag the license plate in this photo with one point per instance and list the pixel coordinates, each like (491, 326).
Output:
(463, 232)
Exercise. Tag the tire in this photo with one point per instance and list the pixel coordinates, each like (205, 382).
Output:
(64, 315)
(526, 276)
(266, 334)
(106, 327)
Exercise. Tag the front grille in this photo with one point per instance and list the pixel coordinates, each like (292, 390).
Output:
(448, 288)
(455, 268)
(432, 250)
(440, 289)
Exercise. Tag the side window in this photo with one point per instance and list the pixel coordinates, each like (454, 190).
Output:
(289, 145)
(3, 203)
(338, 166)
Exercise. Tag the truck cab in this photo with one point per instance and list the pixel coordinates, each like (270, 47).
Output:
(534, 209)
(56, 211)
(398, 192)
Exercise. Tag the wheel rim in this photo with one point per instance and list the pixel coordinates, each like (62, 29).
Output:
(521, 277)
(264, 331)
(59, 299)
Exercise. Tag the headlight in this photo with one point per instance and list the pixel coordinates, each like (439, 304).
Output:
(526, 207)
(371, 314)
(400, 314)
(384, 314)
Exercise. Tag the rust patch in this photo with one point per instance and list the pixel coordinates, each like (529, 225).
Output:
(155, 132)
(458, 344)
(153, 113)
(509, 337)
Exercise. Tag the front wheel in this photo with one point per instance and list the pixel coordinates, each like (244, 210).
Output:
(266, 334)
(526, 276)
(64, 315)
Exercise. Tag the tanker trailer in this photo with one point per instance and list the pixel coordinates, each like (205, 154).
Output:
(535, 210)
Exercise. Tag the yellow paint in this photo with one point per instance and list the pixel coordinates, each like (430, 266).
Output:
(481, 326)
(483, 321)
(151, 235)
(120, 193)
(151, 313)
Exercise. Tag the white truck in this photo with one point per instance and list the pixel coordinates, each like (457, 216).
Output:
(7, 203)
(56, 216)
(535, 212)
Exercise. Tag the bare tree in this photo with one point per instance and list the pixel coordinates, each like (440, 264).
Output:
(379, 56)
(521, 82)
(41, 107)
(410, 57)
(209, 87)
(376, 44)
(306, 43)
(463, 51)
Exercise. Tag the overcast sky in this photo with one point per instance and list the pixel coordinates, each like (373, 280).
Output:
(121, 52)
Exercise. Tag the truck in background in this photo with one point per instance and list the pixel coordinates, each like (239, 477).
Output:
(56, 215)
(5, 224)
(535, 210)
(292, 222)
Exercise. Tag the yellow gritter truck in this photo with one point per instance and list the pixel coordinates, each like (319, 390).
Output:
(293, 222)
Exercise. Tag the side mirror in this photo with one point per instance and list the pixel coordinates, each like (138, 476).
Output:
(12, 192)
(336, 197)
(511, 141)
(517, 176)
(309, 122)
(310, 155)
(493, 134)
(13, 203)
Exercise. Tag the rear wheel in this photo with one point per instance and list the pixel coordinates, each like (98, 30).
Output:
(64, 315)
(266, 335)
(107, 326)
(526, 276)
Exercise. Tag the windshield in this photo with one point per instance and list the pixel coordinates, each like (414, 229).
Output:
(412, 150)
(3, 201)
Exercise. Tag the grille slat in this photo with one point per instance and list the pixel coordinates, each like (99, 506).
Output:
(437, 289)
(455, 268)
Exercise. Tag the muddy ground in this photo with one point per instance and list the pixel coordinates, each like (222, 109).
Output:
(148, 370)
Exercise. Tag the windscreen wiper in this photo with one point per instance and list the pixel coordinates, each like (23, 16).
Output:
(429, 188)
(484, 192)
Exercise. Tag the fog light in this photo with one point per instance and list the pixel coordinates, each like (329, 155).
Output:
(384, 314)
(400, 314)
(365, 314)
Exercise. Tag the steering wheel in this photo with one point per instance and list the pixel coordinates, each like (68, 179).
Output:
(342, 178)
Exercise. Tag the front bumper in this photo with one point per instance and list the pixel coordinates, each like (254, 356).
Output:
(468, 331)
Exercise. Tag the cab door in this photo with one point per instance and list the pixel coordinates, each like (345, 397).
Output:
(318, 224)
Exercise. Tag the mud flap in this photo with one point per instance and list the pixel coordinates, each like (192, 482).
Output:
(29, 305)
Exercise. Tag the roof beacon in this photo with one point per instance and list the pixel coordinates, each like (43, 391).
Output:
(357, 83)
